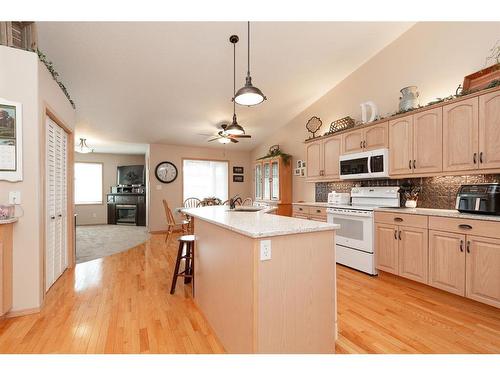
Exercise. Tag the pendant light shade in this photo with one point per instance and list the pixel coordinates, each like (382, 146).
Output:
(249, 95)
(235, 128)
(83, 148)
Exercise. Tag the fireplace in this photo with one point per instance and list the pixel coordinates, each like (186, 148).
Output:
(126, 214)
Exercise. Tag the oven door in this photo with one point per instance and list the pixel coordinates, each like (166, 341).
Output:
(356, 228)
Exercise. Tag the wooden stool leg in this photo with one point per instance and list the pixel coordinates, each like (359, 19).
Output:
(192, 270)
(187, 268)
(176, 270)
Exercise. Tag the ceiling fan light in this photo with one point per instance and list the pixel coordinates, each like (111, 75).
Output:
(249, 95)
(224, 140)
(83, 148)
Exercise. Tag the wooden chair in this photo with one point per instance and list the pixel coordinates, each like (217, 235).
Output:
(191, 203)
(247, 202)
(172, 225)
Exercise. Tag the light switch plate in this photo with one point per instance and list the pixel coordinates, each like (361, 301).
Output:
(14, 197)
(158, 187)
(265, 249)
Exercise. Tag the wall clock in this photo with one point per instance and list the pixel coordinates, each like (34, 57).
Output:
(166, 172)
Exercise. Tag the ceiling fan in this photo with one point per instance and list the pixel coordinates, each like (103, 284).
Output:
(224, 137)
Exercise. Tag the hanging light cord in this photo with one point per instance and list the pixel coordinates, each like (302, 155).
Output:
(234, 78)
(248, 49)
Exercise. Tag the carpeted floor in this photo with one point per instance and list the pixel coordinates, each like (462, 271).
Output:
(97, 241)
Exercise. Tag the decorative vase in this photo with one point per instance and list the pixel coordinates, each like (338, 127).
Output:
(411, 204)
(409, 98)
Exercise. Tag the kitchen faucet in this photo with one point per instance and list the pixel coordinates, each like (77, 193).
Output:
(234, 200)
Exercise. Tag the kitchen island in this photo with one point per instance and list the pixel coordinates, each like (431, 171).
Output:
(265, 283)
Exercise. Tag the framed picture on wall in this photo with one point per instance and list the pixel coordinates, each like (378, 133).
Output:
(238, 178)
(238, 170)
(296, 172)
(11, 166)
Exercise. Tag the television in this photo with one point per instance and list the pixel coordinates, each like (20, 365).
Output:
(131, 175)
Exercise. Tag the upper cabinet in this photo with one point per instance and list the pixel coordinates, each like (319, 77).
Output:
(273, 183)
(460, 135)
(415, 143)
(365, 139)
(322, 159)
(489, 130)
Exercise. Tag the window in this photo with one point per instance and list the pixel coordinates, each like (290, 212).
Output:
(88, 183)
(205, 178)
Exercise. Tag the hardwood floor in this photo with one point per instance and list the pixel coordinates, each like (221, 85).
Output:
(121, 304)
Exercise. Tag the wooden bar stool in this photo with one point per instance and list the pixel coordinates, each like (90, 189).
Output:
(188, 273)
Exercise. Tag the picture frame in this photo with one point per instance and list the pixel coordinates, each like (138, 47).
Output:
(296, 172)
(11, 151)
(238, 170)
(302, 172)
(238, 178)
(299, 163)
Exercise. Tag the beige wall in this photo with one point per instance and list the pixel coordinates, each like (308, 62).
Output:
(433, 56)
(23, 79)
(97, 213)
(173, 192)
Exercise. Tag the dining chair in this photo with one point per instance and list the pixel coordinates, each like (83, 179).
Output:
(172, 225)
(190, 203)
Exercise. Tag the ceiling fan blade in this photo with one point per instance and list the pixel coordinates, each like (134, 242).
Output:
(213, 139)
(234, 140)
(206, 134)
(241, 136)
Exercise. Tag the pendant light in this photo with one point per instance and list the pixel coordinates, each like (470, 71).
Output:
(83, 148)
(234, 128)
(249, 95)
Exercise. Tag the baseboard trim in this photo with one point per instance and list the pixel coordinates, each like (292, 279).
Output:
(16, 313)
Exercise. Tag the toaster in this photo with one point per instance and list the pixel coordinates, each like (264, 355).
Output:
(339, 198)
(479, 199)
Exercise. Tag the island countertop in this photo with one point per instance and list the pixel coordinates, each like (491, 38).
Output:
(257, 224)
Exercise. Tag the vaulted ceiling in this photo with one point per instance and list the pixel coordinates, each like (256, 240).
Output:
(167, 82)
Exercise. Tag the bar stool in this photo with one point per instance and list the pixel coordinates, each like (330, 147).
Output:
(188, 273)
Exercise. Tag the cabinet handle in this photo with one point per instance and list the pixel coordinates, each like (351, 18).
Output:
(60, 215)
(474, 158)
(361, 144)
(318, 211)
(398, 219)
(465, 226)
(52, 217)
(409, 164)
(414, 164)
(399, 235)
(461, 246)
(364, 144)
(481, 157)
(395, 234)
(468, 246)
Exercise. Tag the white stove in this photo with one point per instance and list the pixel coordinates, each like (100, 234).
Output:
(355, 245)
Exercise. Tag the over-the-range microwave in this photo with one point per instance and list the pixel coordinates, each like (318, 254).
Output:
(368, 164)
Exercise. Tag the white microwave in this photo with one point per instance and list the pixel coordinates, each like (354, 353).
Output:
(368, 164)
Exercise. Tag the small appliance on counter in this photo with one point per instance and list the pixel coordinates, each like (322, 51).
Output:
(339, 198)
(479, 199)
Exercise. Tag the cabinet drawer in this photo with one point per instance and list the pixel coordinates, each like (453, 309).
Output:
(483, 228)
(300, 216)
(301, 209)
(408, 220)
(318, 211)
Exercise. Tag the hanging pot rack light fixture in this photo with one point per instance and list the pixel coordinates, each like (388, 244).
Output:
(249, 95)
(83, 148)
(234, 128)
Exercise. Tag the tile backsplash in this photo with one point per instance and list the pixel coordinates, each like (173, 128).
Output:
(436, 192)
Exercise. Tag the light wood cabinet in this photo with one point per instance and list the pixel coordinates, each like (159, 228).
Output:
(273, 183)
(317, 213)
(5, 268)
(489, 130)
(428, 141)
(386, 247)
(447, 261)
(461, 135)
(322, 159)
(400, 146)
(365, 139)
(413, 254)
(483, 270)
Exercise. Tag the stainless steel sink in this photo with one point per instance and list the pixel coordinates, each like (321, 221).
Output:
(247, 209)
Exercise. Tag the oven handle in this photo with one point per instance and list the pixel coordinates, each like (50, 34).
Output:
(125, 206)
(350, 214)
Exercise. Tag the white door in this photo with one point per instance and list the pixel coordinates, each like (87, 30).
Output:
(56, 254)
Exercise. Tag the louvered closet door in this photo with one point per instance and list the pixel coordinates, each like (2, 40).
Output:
(56, 193)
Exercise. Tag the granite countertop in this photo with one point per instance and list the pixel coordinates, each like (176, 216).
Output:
(8, 221)
(313, 204)
(439, 212)
(257, 224)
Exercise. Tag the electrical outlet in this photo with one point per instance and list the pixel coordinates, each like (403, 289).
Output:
(14, 197)
(265, 249)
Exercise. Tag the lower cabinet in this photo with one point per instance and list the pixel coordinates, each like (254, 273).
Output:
(316, 213)
(402, 251)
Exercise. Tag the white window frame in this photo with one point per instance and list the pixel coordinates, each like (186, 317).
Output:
(97, 202)
(184, 197)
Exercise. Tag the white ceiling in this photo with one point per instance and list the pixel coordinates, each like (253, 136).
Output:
(166, 82)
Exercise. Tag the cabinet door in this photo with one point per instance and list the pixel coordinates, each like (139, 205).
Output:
(460, 135)
(400, 146)
(489, 130)
(386, 247)
(483, 270)
(258, 181)
(428, 141)
(275, 180)
(266, 185)
(352, 141)
(413, 254)
(376, 136)
(331, 154)
(313, 160)
(447, 261)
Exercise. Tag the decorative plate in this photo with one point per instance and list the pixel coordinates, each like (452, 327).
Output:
(313, 124)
